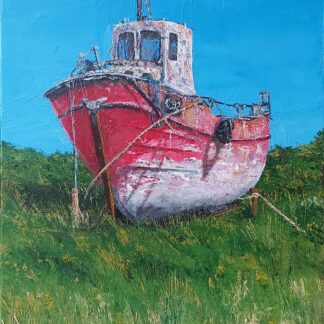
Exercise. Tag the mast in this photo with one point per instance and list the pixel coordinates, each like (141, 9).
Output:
(139, 10)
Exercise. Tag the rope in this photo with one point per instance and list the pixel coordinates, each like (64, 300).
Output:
(313, 233)
(75, 194)
(278, 211)
(120, 154)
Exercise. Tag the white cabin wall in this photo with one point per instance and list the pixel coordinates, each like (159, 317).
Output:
(178, 74)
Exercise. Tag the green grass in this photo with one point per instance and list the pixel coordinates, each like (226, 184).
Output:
(234, 269)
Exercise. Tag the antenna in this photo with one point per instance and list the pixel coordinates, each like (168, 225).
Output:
(140, 15)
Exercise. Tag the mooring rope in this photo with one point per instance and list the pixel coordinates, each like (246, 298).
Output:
(75, 192)
(277, 210)
(121, 153)
(313, 232)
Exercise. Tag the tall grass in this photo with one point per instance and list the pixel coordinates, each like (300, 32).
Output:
(234, 269)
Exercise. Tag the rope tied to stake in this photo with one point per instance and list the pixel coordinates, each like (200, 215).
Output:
(312, 232)
(75, 192)
(279, 212)
(312, 228)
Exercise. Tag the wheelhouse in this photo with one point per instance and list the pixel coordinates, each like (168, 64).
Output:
(159, 49)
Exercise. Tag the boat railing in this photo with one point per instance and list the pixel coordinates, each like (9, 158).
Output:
(263, 108)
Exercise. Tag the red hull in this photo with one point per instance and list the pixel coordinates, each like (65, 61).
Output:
(171, 168)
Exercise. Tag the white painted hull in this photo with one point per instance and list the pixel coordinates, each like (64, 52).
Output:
(155, 190)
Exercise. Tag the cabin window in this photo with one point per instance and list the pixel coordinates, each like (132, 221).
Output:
(173, 47)
(126, 50)
(150, 46)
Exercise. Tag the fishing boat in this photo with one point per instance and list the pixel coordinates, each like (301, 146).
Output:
(152, 142)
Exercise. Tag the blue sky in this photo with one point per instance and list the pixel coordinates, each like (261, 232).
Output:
(240, 47)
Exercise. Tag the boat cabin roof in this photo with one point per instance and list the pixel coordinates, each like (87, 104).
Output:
(156, 48)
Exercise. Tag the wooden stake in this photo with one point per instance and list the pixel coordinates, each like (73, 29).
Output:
(100, 153)
(75, 205)
(254, 201)
(109, 196)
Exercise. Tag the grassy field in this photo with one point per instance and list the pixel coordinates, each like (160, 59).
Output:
(234, 269)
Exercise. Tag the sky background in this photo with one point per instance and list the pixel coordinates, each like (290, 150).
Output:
(240, 47)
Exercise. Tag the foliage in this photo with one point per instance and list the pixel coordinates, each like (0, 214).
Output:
(234, 269)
